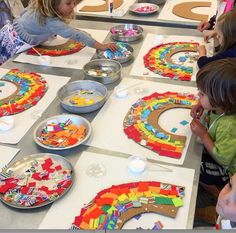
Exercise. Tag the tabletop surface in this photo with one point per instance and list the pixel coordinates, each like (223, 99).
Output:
(23, 219)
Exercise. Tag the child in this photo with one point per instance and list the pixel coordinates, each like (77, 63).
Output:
(5, 14)
(41, 20)
(217, 93)
(226, 34)
(226, 206)
(207, 28)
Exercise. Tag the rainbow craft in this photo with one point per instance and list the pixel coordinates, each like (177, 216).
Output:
(67, 48)
(159, 61)
(141, 122)
(31, 87)
(114, 206)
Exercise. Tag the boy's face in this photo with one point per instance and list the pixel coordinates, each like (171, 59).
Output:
(226, 205)
(204, 100)
(66, 7)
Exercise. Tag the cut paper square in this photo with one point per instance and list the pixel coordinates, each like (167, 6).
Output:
(191, 11)
(14, 135)
(73, 61)
(184, 122)
(103, 124)
(169, 49)
(74, 201)
(177, 202)
(173, 130)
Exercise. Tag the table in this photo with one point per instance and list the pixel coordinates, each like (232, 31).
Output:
(30, 219)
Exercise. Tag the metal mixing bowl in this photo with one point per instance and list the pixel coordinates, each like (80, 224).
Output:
(77, 120)
(101, 54)
(103, 64)
(117, 32)
(71, 88)
(138, 5)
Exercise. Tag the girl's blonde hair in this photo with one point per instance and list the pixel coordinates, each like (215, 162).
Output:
(227, 25)
(48, 8)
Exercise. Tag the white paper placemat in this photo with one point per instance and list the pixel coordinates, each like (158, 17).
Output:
(7, 154)
(152, 40)
(116, 12)
(24, 120)
(73, 61)
(108, 130)
(62, 213)
(166, 12)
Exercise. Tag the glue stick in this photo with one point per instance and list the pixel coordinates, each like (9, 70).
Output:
(110, 6)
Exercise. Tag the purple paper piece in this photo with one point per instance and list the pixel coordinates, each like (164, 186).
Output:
(137, 217)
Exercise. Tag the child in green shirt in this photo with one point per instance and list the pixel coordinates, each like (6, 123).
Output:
(217, 93)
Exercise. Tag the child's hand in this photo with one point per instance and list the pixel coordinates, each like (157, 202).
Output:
(208, 35)
(198, 128)
(201, 50)
(112, 46)
(203, 25)
(196, 111)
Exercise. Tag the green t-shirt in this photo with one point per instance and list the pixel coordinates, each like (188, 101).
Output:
(223, 133)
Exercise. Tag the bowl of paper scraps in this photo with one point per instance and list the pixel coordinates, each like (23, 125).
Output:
(126, 32)
(122, 55)
(143, 9)
(62, 132)
(103, 70)
(82, 96)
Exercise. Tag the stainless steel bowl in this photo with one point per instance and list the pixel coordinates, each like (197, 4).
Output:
(101, 54)
(71, 88)
(138, 5)
(103, 64)
(117, 32)
(77, 120)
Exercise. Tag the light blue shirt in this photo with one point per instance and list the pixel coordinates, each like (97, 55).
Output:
(32, 32)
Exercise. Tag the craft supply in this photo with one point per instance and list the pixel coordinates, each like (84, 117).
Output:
(83, 97)
(144, 8)
(185, 10)
(137, 164)
(6, 123)
(35, 181)
(114, 206)
(122, 54)
(30, 88)
(69, 47)
(110, 6)
(103, 7)
(61, 134)
(141, 122)
(121, 91)
(184, 122)
(159, 60)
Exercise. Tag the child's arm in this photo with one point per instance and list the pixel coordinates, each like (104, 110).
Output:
(203, 60)
(201, 131)
(66, 31)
